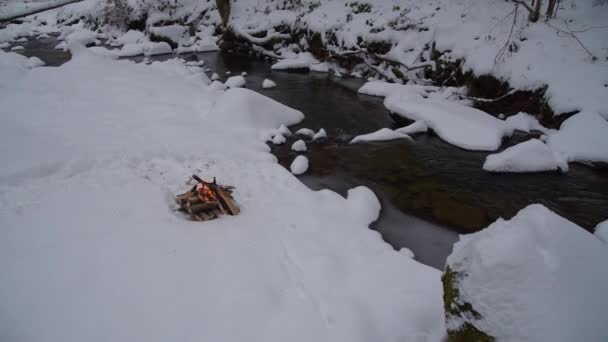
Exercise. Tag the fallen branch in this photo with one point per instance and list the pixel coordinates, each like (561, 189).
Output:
(479, 99)
(262, 40)
(265, 52)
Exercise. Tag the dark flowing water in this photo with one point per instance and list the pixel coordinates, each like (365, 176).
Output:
(418, 182)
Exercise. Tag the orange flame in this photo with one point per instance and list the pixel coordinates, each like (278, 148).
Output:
(205, 192)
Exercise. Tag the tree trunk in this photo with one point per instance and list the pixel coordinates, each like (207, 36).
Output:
(551, 8)
(536, 13)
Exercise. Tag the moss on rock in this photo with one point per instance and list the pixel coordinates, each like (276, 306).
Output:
(456, 309)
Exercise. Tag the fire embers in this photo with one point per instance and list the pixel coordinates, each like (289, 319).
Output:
(207, 201)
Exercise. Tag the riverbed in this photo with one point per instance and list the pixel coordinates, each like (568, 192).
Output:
(431, 191)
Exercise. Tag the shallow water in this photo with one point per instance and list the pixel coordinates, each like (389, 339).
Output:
(422, 179)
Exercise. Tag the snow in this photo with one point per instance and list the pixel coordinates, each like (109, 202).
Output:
(215, 77)
(301, 60)
(299, 165)
(285, 131)
(319, 67)
(91, 250)
(17, 48)
(525, 122)
(278, 139)
(131, 37)
(452, 121)
(176, 33)
(244, 73)
(299, 146)
(235, 82)
(382, 134)
(306, 131)
(536, 277)
(416, 127)
(530, 156)
(217, 85)
(582, 138)
(267, 84)
(320, 134)
(4, 45)
(601, 231)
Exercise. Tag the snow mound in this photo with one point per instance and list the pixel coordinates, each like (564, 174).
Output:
(320, 134)
(306, 131)
(457, 124)
(267, 84)
(17, 48)
(382, 134)
(301, 60)
(235, 82)
(299, 146)
(416, 127)
(525, 122)
(582, 138)
(601, 231)
(131, 37)
(217, 85)
(215, 77)
(299, 165)
(364, 204)
(530, 156)
(536, 277)
(176, 33)
(247, 108)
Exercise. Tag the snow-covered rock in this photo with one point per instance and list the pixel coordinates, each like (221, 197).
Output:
(320, 134)
(530, 156)
(382, 134)
(299, 146)
(306, 131)
(301, 60)
(131, 37)
(267, 84)
(525, 122)
(244, 73)
(235, 82)
(416, 127)
(278, 139)
(299, 165)
(284, 130)
(17, 48)
(215, 77)
(217, 85)
(536, 277)
(319, 67)
(242, 107)
(582, 138)
(601, 231)
(175, 33)
(456, 123)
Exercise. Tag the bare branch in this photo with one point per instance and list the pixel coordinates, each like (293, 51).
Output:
(256, 40)
(572, 35)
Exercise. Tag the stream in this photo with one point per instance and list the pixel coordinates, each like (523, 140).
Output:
(430, 191)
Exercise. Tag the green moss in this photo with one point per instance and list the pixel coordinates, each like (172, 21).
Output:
(468, 333)
(455, 308)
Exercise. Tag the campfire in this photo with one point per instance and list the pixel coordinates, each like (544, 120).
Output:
(207, 201)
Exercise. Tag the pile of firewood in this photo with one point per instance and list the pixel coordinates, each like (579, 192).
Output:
(207, 201)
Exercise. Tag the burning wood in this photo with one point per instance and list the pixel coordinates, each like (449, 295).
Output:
(207, 201)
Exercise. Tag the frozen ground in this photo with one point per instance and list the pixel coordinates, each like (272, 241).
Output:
(91, 249)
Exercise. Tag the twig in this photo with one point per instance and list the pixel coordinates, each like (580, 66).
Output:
(479, 99)
(524, 4)
(504, 48)
(572, 35)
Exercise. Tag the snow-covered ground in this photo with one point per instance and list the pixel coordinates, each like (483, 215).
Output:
(91, 249)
